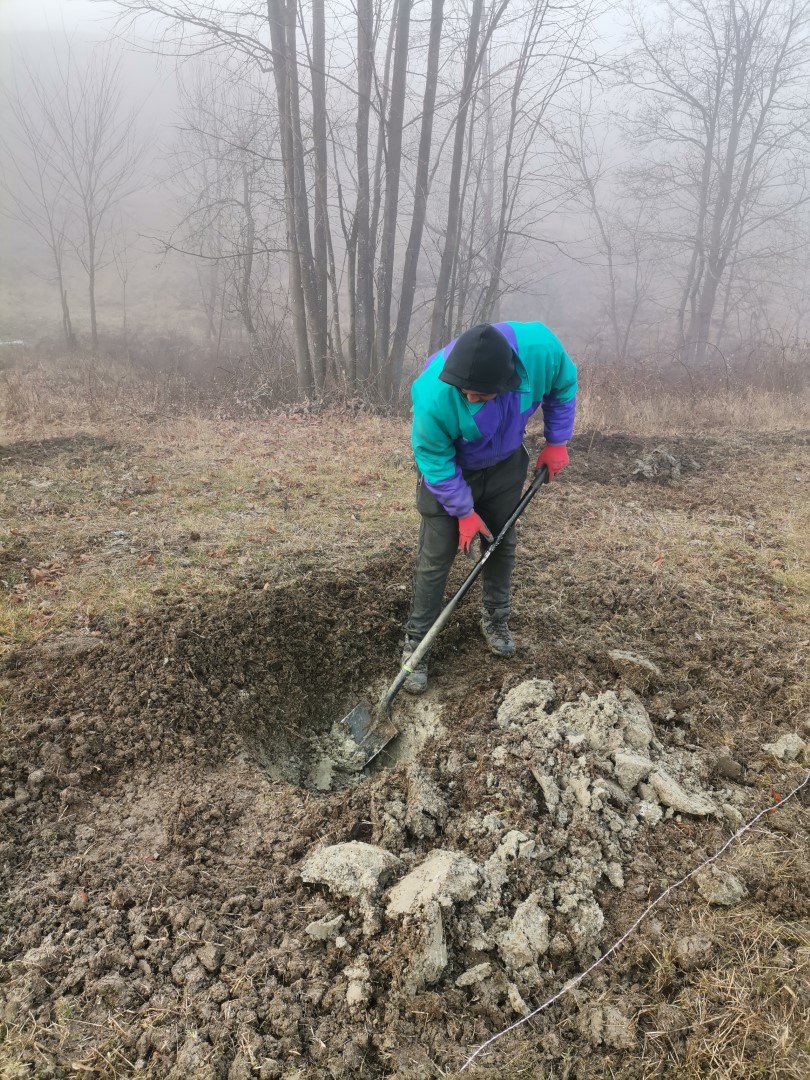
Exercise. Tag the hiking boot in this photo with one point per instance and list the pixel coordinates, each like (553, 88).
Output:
(497, 636)
(416, 683)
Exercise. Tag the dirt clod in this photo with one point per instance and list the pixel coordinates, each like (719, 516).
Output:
(720, 887)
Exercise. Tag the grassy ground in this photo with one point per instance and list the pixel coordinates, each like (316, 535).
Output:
(119, 519)
(129, 492)
(103, 520)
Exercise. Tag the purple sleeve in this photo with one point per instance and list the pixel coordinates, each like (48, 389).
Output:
(558, 419)
(453, 494)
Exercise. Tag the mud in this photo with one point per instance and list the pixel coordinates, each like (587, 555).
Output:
(183, 896)
(263, 675)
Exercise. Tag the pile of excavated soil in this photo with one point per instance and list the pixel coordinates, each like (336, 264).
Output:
(165, 867)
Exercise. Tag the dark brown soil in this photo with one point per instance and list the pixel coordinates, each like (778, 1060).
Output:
(153, 803)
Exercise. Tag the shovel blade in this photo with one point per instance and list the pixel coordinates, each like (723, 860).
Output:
(370, 737)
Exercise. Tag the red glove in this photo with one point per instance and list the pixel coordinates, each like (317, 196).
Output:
(554, 458)
(468, 528)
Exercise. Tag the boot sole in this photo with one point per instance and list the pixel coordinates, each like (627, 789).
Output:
(497, 652)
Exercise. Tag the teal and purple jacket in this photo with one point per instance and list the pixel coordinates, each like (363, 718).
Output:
(450, 435)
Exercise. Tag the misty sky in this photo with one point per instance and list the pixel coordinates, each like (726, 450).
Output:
(21, 15)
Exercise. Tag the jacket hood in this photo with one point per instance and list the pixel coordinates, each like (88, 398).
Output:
(481, 359)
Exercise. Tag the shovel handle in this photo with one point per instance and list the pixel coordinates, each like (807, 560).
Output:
(540, 477)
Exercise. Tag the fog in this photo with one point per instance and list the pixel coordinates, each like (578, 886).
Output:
(337, 193)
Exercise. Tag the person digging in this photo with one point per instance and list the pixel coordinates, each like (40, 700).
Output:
(471, 405)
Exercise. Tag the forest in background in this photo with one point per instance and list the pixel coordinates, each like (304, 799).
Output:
(322, 195)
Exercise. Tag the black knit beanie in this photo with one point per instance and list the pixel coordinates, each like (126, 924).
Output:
(481, 360)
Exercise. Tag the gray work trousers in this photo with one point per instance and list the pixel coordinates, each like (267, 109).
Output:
(496, 492)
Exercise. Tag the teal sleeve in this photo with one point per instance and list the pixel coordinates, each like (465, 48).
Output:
(433, 448)
(564, 386)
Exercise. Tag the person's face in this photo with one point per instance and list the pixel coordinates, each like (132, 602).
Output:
(475, 398)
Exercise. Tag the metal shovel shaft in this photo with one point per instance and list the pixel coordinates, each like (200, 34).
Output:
(421, 650)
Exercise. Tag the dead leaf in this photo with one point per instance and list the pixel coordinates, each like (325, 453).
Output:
(145, 560)
(659, 559)
(39, 618)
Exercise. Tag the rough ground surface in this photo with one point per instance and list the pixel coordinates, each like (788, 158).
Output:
(180, 900)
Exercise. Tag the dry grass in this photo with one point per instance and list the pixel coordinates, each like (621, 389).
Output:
(88, 389)
(117, 520)
(84, 389)
(67, 1046)
(632, 409)
(743, 1013)
(747, 1013)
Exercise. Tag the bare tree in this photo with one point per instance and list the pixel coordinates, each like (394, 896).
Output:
(472, 59)
(95, 153)
(35, 188)
(503, 183)
(198, 170)
(322, 239)
(396, 115)
(623, 237)
(365, 272)
(421, 188)
(724, 118)
(281, 19)
(226, 165)
(362, 140)
(553, 41)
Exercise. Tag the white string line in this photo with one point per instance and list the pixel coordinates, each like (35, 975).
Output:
(582, 975)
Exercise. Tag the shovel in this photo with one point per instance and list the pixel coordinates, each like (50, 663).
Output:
(372, 735)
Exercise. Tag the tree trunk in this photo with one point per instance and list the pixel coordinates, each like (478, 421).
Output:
(67, 326)
(91, 288)
(321, 179)
(463, 255)
(276, 17)
(382, 158)
(492, 296)
(387, 244)
(438, 325)
(408, 289)
(365, 259)
(247, 263)
(315, 315)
